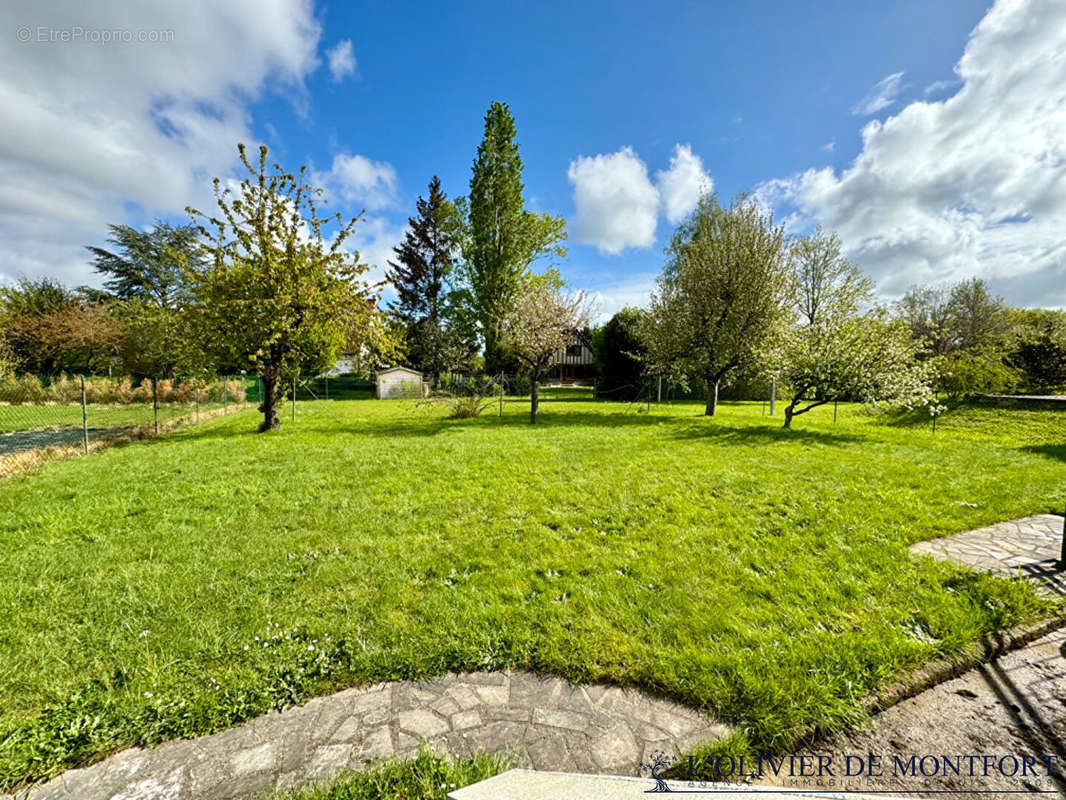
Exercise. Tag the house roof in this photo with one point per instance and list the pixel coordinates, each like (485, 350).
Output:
(399, 369)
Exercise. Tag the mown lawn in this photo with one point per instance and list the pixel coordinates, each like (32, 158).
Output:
(35, 417)
(425, 776)
(177, 586)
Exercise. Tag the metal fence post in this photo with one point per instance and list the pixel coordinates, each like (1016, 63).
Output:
(1062, 554)
(225, 395)
(294, 399)
(155, 404)
(327, 386)
(773, 394)
(84, 417)
(197, 392)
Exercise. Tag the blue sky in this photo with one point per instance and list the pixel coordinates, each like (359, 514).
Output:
(772, 97)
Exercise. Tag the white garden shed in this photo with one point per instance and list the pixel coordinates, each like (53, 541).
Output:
(401, 382)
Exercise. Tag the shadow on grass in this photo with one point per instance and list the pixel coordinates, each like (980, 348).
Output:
(724, 432)
(1056, 451)
(428, 425)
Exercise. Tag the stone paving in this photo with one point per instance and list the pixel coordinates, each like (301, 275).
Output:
(541, 722)
(1028, 547)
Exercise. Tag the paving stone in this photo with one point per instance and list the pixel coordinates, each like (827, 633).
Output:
(256, 759)
(348, 731)
(573, 698)
(493, 695)
(166, 787)
(557, 718)
(549, 751)
(539, 721)
(466, 719)
(1028, 548)
(422, 722)
(463, 696)
(377, 744)
(371, 700)
(328, 760)
(494, 713)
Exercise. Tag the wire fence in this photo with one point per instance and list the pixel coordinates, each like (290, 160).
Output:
(54, 417)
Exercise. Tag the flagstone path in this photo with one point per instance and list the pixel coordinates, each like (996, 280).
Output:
(542, 722)
(1028, 547)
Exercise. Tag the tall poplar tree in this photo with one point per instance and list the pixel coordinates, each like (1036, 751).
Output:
(503, 239)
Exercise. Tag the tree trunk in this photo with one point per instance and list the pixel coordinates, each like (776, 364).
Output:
(493, 362)
(534, 402)
(789, 410)
(712, 399)
(271, 422)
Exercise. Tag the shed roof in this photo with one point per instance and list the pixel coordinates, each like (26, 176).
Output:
(399, 369)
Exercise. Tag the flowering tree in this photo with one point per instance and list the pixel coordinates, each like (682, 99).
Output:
(829, 351)
(719, 296)
(540, 325)
(279, 296)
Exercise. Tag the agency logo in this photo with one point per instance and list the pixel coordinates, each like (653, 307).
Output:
(851, 773)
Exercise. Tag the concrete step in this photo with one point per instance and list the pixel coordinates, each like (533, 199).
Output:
(527, 784)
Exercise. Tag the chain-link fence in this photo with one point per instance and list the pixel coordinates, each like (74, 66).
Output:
(51, 417)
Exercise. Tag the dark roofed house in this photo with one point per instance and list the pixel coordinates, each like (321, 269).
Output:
(575, 363)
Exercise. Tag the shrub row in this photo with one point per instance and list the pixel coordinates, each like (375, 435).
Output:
(29, 389)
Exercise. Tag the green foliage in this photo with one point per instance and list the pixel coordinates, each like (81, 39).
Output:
(467, 398)
(966, 373)
(1038, 347)
(591, 548)
(619, 353)
(50, 329)
(966, 331)
(427, 776)
(719, 296)
(278, 298)
(150, 266)
(829, 351)
(539, 326)
(502, 239)
(63, 390)
(437, 339)
(159, 341)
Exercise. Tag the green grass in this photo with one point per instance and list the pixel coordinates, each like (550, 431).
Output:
(33, 417)
(180, 585)
(425, 777)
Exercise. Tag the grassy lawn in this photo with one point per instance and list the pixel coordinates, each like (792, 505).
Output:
(425, 777)
(179, 585)
(32, 417)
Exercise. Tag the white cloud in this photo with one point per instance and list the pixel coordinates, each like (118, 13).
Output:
(974, 184)
(361, 180)
(341, 60)
(829, 146)
(682, 185)
(617, 205)
(632, 291)
(939, 86)
(374, 238)
(882, 95)
(96, 131)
